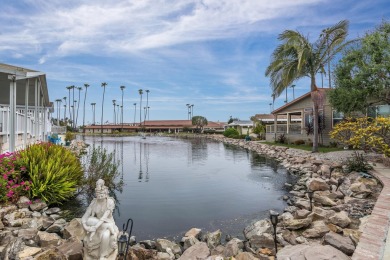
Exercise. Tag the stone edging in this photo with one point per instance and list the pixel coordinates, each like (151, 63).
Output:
(372, 242)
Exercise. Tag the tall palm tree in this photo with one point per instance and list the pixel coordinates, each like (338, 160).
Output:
(122, 88)
(114, 103)
(140, 91)
(147, 102)
(78, 105)
(85, 98)
(135, 111)
(65, 114)
(93, 112)
(104, 84)
(73, 108)
(70, 114)
(296, 58)
(58, 110)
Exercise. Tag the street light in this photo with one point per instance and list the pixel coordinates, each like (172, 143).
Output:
(310, 195)
(124, 239)
(273, 215)
(270, 107)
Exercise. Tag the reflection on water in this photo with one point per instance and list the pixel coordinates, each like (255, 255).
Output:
(172, 185)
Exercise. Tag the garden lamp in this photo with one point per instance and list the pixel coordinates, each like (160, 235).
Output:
(273, 215)
(310, 195)
(124, 239)
(339, 182)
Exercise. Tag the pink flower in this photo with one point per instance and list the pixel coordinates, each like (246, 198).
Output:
(10, 194)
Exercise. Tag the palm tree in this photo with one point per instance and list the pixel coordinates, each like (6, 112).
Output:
(140, 91)
(85, 98)
(93, 112)
(64, 98)
(104, 84)
(135, 111)
(114, 103)
(70, 114)
(122, 88)
(147, 101)
(58, 110)
(296, 58)
(65, 115)
(78, 105)
(73, 108)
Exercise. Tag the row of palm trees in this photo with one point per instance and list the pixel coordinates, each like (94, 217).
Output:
(74, 105)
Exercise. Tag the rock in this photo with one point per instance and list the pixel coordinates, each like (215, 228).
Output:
(325, 201)
(302, 213)
(29, 252)
(140, 253)
(74, 229)
(164, 256)
(321, 214)
(344, 244)
(195, 232)
(23, 202)
(189, 241)
(217, 251)
(27, 234)
(317, 229)
(261, 241)
(214, 238)
(289, 236)
(233, 247)
(294, 224)
(310, 252)
(46, 222)
(334, 228)
(257, 228)
(37, 206)
(6, 210)
(325, 170)
(286, 216)
(148, 244)
(52, 210)
(72, 249)
(57, 226)
(246, 256)
(198, 251)
(48, 239)
(290, 209)
(162, 245)
(316, 184)
(50, 254)
(301, 240)
(340, 219)
(1, 225)
(353, 234)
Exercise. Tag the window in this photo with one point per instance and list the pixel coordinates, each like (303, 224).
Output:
(380, 110)
(337, 117)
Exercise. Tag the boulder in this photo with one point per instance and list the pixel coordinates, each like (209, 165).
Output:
(140, 253)
(344, 244)
(325, 170)
(50, 254)
(195, 232)
(310, 252)
(246, 256)
(48, 239)
(198, 251)
(29, 252)
(340, 219)
(257, 228)
(316, 184)
(303, 204)
(38, 205)
(294, 224)
(213, 239)
(289, 236)
(334, 228)
(321, 214)
(317, 229)
(54, 210)
(148, 244)
(233, 247)
(353, 234)
(264, 240)
(324, 200)
(57, 226)
(285, 217)
(162, 245)
(23, 202)
(72, 249)
(189, 241)
(302, 213)
(74, 229)
(46, 222)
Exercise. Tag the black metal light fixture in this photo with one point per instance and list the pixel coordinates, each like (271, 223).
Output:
(339, 182)
(273, 215)
(124, 239)
(310, 195)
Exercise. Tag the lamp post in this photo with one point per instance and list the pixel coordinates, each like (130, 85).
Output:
(270, 107)
(339, 182)
(293, 86)
(273, 215)
(192, 111)
(124, 239)
(310, 195)
(135, 111)
(188, 111)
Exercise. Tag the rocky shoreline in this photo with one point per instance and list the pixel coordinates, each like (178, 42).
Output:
(31, 230)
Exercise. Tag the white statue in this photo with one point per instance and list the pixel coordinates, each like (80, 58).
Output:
(98, 222)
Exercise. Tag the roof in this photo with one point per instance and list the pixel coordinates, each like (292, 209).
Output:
(297, 100)
(270, 117)
(22, 74)
(242, 122)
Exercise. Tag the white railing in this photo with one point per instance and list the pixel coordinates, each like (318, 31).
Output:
(282, 128)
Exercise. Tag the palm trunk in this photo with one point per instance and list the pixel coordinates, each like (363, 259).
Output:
(85, 97)
(315, 114)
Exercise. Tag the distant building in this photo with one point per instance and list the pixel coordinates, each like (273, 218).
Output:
(242, 126)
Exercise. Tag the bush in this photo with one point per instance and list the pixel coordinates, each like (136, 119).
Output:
(231, 133)
(69, 136)
(99, 164)
(54, 171)
(357, 163)
(281, 139)
(14, 180)
(299, 142)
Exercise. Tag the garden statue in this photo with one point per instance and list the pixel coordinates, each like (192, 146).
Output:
(101, 237)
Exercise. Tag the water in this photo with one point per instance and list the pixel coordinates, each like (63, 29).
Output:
(174, 184)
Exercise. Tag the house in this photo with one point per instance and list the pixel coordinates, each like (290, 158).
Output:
(242, 126)
(268, 119)
(302, 108)
(24, 107)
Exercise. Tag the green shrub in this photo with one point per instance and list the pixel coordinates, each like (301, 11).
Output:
(69, 136)
(231, 133)
(281, 139)
(357, 163)
(54, 171)
(299, 142)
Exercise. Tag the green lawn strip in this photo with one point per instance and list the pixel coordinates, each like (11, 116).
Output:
(306, 147)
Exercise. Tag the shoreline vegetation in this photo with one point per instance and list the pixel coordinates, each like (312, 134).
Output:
(331, 223)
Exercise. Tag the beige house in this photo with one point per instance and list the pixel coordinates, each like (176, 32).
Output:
(242, 126)
(299, 117)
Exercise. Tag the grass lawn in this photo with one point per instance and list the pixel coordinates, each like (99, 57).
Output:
(306, 147)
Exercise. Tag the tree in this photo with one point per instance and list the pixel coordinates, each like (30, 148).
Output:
(140, 91)
(104, 84)
(85, 98)
(78, 105)
(362, 76)
(199, 122)
(70, 114)
(296, 58)
(122, 88)
(231, 119)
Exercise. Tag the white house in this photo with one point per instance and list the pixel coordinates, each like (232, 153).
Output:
(242, 126)
(24, 107)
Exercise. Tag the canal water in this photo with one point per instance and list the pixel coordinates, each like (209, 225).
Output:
(174, 184)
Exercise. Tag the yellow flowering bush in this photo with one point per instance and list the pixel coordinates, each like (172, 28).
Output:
(368, 134)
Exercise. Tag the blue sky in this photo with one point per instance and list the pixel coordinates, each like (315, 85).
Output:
(210, 53)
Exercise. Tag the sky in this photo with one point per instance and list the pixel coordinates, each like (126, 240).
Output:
(209, 53)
